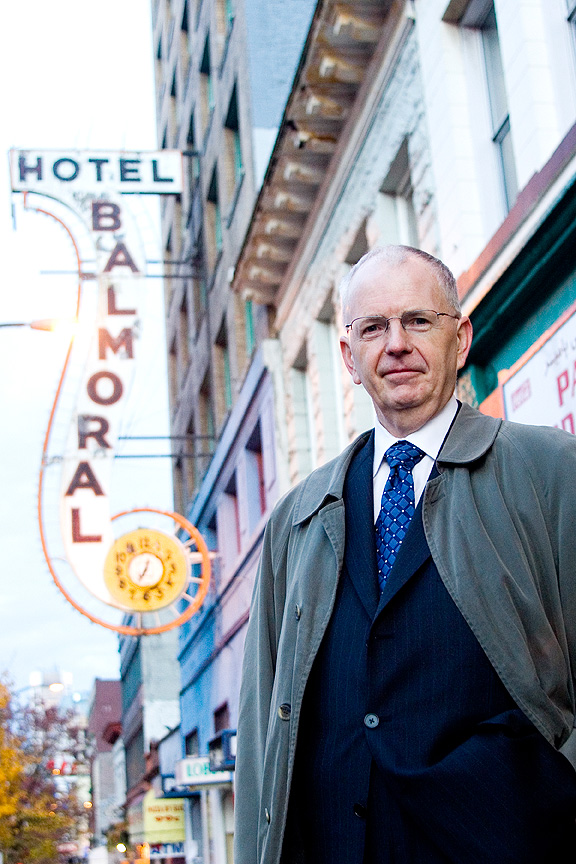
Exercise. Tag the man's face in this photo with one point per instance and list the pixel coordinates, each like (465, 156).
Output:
(409, 376)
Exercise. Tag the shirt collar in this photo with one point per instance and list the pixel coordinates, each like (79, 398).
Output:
(429, 438)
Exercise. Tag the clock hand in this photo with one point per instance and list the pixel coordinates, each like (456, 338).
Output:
(143, 573)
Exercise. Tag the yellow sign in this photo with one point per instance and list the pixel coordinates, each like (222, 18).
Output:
(163, 819)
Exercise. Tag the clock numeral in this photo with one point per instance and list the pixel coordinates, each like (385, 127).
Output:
(122, 583)
(130, 548)
(159, 592)
(121, 557)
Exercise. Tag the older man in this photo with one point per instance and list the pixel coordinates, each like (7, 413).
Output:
(408, 689)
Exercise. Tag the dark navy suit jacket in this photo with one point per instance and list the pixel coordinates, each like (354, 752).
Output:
(410, 749)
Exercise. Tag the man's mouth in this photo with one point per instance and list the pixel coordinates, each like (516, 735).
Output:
(400, 371)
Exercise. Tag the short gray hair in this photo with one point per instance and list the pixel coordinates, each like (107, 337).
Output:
(397, 255)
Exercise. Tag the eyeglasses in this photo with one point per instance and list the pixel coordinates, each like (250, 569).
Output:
(370, 327)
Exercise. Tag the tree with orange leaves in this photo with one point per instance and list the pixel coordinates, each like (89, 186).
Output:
(37, 815)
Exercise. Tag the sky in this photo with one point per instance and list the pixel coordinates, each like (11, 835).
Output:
(76, 74)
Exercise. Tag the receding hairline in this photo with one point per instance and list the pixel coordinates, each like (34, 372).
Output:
(395, 254)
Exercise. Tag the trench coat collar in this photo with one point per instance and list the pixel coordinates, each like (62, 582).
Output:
(326, 484)
(471, 436)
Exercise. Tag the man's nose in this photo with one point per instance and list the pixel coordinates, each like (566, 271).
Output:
(397, 339)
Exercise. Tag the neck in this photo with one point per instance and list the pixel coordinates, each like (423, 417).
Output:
(403, 423)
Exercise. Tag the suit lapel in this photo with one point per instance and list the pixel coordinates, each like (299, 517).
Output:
(360, 552)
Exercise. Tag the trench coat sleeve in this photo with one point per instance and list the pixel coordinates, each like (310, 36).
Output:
(565, 519)
(258, 674)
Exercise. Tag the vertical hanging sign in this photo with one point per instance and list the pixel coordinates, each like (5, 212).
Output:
(92, 185)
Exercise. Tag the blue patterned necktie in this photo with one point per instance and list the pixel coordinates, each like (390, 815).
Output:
(398, 505)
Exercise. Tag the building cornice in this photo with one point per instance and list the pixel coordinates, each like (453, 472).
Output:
(334, 74)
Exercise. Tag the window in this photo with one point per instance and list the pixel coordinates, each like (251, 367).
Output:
(193, 161)
(206, 426)
(200, 297)
(223, 378)
(168, 282)
(190, 450)
(224, 17)
(213, 223)
(199, 285)
(232, 152)
(206, 86)
(359, 246)
(158, 72)
(395, 211)
(255, 486)
(183, 339)
(178, 479)
(221, 718)
(173, 373)
(135, 759)
(172, 112)
(328, 390)
(184, 45)
(249, 327)
(192, 743)
(500, 117)
(229, 531)
(301, 450)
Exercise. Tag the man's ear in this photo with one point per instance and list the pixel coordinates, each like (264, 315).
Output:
(349, 359)
(464, 336)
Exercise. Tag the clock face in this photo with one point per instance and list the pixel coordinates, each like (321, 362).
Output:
(146, 570)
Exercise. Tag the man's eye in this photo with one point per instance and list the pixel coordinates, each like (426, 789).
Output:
(418, 322)
(371, 328)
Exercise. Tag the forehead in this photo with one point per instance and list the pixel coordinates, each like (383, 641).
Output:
(387, 287)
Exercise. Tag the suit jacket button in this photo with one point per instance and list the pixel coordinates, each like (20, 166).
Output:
(284, 711)
(360, 811)
(371, 721)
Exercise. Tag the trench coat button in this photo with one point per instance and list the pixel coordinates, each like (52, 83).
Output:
(267, 814)
(360, 811)
(298, 611)
(371, 721)
(284, 711)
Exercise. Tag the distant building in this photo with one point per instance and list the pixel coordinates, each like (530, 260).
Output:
(224, 71)
(105, 727)
(150, 683)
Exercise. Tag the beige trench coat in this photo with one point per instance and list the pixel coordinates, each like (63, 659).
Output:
(500, 520)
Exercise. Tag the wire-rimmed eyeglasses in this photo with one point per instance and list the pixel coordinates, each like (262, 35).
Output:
(370, 327)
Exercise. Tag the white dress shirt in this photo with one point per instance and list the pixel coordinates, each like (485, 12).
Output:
(429, 439)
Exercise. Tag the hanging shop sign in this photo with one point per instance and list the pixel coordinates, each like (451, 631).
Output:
(194, 772)
(163, 819)
(166, 850)
(144, 570)
(96, 172)
(541, 388)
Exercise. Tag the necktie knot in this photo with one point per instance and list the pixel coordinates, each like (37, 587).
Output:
(405, 454)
